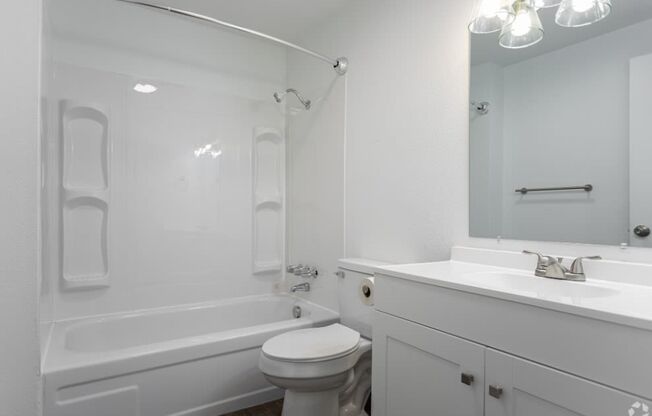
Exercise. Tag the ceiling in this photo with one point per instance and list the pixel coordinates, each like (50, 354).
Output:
(287, 19)
(485, 48)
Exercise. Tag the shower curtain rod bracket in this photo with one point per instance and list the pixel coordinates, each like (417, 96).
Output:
(341, 66)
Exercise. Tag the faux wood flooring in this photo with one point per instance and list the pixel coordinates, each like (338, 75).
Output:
(267, 409)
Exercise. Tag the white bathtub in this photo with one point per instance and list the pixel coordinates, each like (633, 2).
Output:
(199, 360)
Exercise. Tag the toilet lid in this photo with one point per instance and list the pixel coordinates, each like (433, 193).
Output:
(313, 344)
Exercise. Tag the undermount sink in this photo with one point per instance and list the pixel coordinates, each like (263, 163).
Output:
(538, 286)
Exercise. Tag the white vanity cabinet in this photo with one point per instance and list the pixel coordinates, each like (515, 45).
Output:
(446, 351)
(523, 388)
(419, 371)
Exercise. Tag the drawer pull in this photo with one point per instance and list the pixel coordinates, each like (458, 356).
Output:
(467, 379)
(495, 391)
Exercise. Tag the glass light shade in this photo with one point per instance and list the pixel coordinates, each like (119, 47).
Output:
(577, 13)
(525, 30)
(491, 15)
(543, 4)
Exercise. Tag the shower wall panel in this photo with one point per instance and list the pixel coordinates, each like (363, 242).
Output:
(150, 195)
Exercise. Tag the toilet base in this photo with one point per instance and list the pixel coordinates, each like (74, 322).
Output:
(346, 397)
(321, 403)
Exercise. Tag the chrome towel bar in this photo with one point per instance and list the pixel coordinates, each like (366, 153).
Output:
(587, 188)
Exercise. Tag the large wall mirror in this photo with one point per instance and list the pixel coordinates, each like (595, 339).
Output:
(561, 130)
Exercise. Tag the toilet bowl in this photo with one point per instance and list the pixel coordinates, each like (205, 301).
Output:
(327, 371)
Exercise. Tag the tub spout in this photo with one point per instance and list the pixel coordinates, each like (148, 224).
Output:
(301, 287)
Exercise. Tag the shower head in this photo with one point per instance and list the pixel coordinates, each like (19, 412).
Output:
(279, 97)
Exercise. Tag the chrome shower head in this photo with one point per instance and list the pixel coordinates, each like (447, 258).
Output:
(279, 97)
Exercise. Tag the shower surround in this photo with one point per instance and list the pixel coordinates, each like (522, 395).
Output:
(163, 212)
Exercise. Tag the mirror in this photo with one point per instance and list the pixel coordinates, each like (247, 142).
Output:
(573, 113)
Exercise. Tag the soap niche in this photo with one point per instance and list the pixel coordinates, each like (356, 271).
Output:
(85, 261)
(268, 200)
(85, 195)
(85, 144)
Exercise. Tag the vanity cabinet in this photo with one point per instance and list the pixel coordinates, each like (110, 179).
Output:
(530, 389)
(422, 371)
(419, 371)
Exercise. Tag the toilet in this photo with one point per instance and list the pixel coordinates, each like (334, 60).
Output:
(327, 371)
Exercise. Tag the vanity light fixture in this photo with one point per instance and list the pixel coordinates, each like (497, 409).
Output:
(578, 13)
(491, 15)
(525, 30)
(519, 23)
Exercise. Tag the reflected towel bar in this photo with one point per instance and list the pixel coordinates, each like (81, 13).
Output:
(587, 188)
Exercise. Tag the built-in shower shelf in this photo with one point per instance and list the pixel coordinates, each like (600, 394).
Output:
(72, 194)
(268, 200)
(85, 195)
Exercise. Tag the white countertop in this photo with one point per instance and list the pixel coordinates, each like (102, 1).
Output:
(621, 302)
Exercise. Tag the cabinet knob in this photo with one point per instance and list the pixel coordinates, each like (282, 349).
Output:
(495, 391)
(467, 379)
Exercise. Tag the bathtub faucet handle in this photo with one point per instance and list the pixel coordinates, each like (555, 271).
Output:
(292, 268)
(307, 271)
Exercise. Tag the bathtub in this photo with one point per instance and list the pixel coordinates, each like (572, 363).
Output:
(198, 360)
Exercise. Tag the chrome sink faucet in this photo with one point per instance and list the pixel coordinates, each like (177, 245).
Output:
(552, 268)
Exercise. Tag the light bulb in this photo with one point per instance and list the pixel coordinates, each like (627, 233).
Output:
(581, 6)
(525, 30)
(542, 4)
(522, 23)
(488, 8)
(577, 13)
(490, 15)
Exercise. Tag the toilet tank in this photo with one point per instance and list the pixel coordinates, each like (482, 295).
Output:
(354, 313)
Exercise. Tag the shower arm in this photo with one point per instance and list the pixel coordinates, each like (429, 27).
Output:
(306, 103)
(340, 65)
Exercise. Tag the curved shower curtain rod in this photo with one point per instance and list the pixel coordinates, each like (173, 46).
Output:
(340, 64)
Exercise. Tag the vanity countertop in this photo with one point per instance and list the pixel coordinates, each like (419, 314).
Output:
(621, 302)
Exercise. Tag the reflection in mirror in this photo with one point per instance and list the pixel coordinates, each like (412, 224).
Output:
(569, 111)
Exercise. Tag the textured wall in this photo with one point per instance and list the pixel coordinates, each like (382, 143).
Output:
(406, 125)
(19, 348)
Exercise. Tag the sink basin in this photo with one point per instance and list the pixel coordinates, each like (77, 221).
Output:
(538, 286)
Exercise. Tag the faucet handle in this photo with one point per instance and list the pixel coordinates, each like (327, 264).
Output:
(578, 267)
(292, 267)
(541, 259)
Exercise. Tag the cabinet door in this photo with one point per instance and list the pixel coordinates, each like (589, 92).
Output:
(418, 371)
(529, 389)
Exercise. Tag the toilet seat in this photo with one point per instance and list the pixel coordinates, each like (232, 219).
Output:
(313, 344)
(313, 353)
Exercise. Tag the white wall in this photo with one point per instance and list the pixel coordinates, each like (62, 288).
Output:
(20, 27)
(180, 225)
(406, 133)
(406, 125)
(316, 173)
